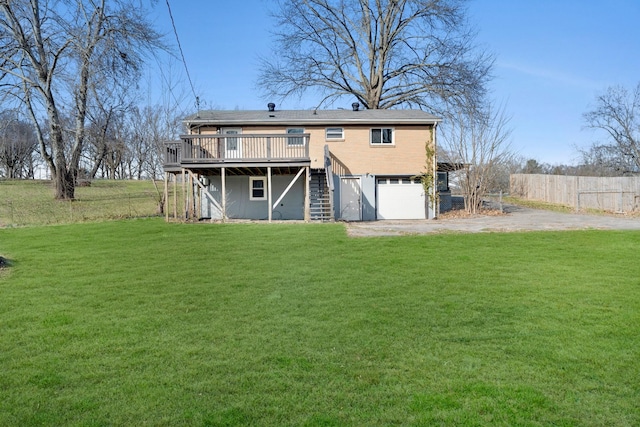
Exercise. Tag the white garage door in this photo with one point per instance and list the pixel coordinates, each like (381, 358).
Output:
(400, 198)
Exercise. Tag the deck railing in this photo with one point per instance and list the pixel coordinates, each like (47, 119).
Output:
(222, 148)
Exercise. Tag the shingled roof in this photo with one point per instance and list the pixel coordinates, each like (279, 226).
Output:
(310, 117)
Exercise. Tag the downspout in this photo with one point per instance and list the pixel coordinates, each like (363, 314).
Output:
(435, 199)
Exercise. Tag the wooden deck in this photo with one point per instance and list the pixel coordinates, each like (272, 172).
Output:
(241, 150)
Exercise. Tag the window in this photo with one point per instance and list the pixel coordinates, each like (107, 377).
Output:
(295, 140)
(334, 133)
(257, 188)
(382, 136)
(443, 181)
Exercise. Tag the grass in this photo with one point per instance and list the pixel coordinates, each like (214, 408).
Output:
(538, 204)
(141, 322)
(31, 202)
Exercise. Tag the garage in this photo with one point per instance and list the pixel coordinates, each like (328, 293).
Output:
(400, 198)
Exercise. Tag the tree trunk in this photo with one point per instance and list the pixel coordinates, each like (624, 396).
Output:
(65, 186)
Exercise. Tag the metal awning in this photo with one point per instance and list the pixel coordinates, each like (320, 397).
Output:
(450, 166)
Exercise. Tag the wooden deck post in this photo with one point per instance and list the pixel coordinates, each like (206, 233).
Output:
(307, 198)
(175, 196)
(223, 177)
(269, 198)
(197, 197)
(166, 196)
(192, 196)
(184, 193)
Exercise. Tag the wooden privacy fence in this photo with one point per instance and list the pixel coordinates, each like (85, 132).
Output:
(614, 194)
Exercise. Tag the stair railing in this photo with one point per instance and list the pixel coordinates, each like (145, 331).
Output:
(329, 176)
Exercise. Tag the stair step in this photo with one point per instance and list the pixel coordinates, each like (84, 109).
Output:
(320, 200)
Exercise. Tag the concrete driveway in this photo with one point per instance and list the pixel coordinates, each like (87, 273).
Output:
(515, 218)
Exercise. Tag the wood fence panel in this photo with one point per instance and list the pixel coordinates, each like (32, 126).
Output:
(614, 194)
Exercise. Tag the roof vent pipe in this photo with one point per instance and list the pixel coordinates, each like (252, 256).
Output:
(271, 106)
(355, 106)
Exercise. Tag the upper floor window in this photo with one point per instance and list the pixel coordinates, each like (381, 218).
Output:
(334, 133)
(382, 136)
(295, 140)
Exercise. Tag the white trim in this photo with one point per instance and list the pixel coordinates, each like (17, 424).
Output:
(334, 138)
(253, 179)
(381, 143)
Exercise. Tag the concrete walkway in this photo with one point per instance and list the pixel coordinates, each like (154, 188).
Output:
(515, 218)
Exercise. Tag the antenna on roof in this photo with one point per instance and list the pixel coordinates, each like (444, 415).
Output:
(315, 110)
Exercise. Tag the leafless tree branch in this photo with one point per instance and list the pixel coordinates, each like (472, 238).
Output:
(385, 53)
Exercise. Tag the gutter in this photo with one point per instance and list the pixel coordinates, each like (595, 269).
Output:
(436, 201)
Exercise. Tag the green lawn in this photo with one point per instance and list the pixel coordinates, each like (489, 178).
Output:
(141, 322)
(30, 202)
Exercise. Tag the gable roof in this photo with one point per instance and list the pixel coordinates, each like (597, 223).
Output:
(310, 117)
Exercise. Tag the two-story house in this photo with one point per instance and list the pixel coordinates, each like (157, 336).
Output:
(349, 164)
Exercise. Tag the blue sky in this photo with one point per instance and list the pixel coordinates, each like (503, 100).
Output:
(552, 58)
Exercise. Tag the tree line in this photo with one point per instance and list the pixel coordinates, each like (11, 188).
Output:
(123, 144)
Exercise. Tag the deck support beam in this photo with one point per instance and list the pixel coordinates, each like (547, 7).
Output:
(175, 197)
(184, 193)
(166, 197)
(208, 195)
(223, 176)
(307, 196)
(286, 190)
(269, 193)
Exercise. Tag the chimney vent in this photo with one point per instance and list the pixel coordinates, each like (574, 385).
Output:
(355, 106)
(271, 106)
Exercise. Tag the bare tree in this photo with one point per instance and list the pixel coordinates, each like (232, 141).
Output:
(386, 53)
(617, 113)
(479, 139)
(151, 127)
(18, 145)
(53, 52)
(605, 160)
(106, 117)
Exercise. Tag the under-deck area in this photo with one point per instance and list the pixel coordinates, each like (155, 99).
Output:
(248, 176)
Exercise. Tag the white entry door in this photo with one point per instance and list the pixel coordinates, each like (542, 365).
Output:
(350, 199)
(232, 145)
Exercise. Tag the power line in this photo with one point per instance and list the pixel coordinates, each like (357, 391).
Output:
(175, 31)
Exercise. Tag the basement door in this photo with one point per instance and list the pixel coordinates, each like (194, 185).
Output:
(400, 198)
(350, 199)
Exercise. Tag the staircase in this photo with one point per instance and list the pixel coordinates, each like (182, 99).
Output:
(320, 199)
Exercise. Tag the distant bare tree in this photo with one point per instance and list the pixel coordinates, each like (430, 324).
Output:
(106, 117)
(385, 53)
(606, 160)
(18, 145)
(53, 52)
(617, 113)
(532, 166)
(151, 127)
(480, 140)
(499, 180)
